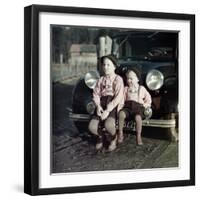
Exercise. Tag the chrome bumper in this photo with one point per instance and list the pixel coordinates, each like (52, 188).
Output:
(162, 123)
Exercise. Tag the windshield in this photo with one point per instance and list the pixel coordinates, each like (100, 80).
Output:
(144, 48)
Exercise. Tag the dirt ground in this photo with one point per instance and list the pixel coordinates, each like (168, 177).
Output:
(75, 152)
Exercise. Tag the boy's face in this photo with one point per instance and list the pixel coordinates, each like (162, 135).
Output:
(132, 78)
(108, 66)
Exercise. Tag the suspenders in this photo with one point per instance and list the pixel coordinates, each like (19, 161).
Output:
(139, 93)
(112, 83)
(138, 97)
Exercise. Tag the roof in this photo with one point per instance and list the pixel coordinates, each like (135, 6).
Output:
(86, 48)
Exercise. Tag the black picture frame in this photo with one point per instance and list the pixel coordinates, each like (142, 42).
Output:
(32, 106)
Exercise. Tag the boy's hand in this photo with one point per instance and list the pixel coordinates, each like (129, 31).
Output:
(99, 111)
(104, 115)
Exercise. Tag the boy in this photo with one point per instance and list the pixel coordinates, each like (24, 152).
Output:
(107, 95)
(136, 98)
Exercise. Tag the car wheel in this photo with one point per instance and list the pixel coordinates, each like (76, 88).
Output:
(82, 127)
(84, 133)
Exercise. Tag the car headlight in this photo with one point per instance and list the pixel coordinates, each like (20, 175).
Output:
(154, 79)
(90, 107)
(91, 79)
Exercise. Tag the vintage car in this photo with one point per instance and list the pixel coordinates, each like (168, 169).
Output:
(155, 53)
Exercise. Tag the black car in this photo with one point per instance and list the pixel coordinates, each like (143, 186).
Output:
(155, 53)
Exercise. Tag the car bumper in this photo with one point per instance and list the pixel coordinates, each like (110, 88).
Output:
(162, 123)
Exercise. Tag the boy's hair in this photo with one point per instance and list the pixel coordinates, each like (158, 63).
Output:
(136, 71)
(110, 57)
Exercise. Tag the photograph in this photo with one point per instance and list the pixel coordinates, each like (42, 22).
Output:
(114, 99)
(109, 99)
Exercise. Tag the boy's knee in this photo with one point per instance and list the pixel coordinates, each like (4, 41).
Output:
(93, 128)
(122, 115)
(110, 126)
(138, 118)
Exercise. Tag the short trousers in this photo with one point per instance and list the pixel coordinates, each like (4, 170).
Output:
(105, 100)
(132, 108)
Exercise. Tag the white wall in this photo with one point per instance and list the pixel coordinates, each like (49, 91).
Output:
(11, 100)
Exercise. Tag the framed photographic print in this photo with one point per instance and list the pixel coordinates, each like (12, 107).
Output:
(109, 99)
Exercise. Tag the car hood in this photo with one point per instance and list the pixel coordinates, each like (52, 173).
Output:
(167, 68)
